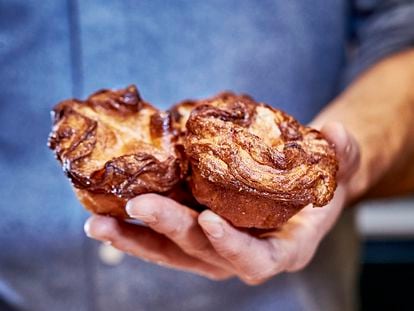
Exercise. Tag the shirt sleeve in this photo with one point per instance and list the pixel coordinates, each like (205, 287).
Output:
(378, 29)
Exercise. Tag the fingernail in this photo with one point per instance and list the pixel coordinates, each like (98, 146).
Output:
(94, 233)
(90, 234)
(87, 228)
(348, 148)
(143, 213)
(214, 229)
(212, 224)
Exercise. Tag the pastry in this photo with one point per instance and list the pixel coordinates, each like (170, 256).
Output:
(114, 146)
(252, 164)
(255, 165)
(180, 114)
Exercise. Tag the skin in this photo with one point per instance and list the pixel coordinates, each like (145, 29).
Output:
(377, 107)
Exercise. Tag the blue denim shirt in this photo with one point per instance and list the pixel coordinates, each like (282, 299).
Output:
(291, 54)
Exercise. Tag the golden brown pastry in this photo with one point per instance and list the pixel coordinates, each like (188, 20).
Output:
(180, 114)
(252, 164)
(255, 165)
(114, 146)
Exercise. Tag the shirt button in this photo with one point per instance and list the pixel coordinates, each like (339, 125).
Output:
(110, 255)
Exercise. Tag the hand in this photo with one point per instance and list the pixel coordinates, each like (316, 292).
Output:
(206, 244)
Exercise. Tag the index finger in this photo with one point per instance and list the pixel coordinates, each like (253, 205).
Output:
(178, 223)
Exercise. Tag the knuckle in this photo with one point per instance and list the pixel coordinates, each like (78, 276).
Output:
(221, 276)
(175, 224)
(173, 231)
(115, 236)
(199, 250)
(300, 263)
(231, 253)
(253, 281)
(234, 250)
(282, 255)
(256, 277)
(297, 267)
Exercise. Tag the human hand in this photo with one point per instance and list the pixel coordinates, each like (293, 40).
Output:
(179, 237)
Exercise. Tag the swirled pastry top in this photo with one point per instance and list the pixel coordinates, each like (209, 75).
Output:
(250, 147)
(116, 143)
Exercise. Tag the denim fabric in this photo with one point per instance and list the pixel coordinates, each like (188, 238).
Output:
(381, 28)
(290, 54)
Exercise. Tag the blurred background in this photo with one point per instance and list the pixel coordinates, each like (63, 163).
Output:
(52, 50)
(387, 229)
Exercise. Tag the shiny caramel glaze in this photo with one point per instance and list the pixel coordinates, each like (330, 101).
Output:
(255, 165)
(252, 164)
(180, 113)
(114, 146)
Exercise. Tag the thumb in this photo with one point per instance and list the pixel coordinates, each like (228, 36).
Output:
(347, 149)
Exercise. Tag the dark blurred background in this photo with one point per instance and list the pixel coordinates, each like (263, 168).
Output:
(386, 226)
(387, 271)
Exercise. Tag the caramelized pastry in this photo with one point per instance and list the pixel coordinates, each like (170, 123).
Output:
(114, 146)
(255, 165)
(180, 114)
(252, 164)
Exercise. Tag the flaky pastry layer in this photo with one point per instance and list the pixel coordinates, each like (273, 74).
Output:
(252, 164)
(116, 144)
(249, 159)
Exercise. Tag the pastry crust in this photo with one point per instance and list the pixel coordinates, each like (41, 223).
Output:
(255, 165)
(250, 163)
(114, 146)
(180, 114)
